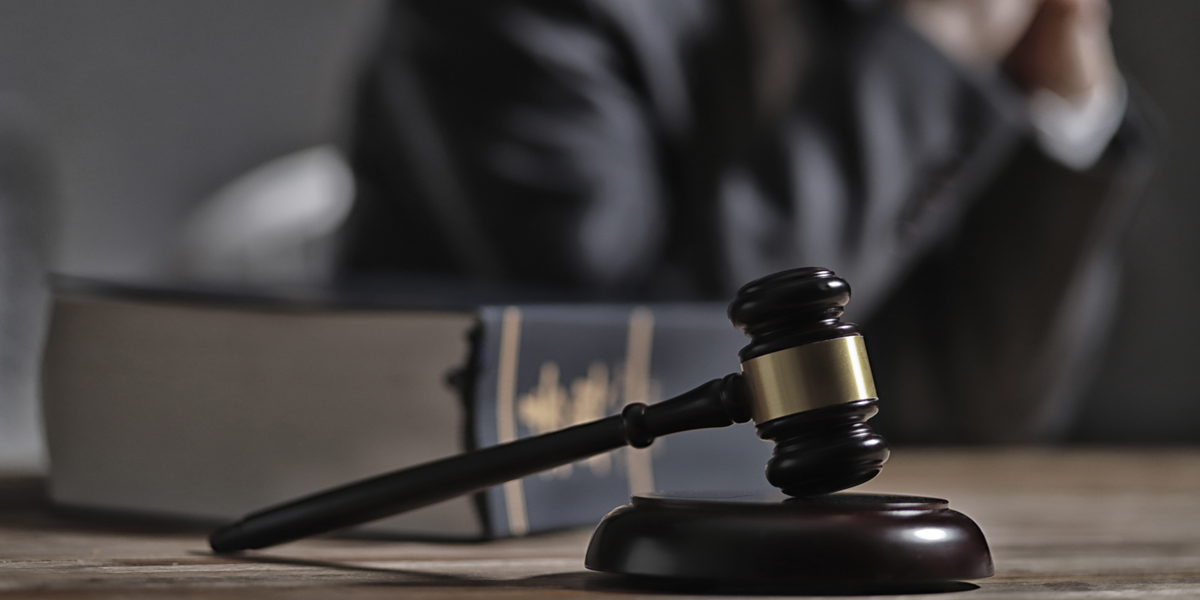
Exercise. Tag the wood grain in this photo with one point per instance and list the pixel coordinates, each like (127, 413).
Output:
(1063, 523)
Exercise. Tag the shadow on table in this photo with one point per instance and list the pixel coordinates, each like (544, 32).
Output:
(606, 582)
(25, 503)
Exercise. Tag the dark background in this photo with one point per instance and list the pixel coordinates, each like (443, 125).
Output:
(148, 106)
(1147, 390)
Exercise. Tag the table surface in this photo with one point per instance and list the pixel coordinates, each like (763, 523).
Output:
(1062, 523)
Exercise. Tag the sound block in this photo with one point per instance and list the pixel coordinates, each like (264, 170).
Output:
(867, 541)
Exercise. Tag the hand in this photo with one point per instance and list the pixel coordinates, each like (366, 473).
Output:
(1057, 45)
(976, 33)
(1065, 50)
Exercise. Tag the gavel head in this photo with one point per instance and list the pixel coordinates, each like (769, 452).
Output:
(809, 382)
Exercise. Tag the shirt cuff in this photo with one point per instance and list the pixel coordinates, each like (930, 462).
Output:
(1075, 131)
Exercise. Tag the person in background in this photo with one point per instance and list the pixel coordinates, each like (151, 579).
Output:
(967, 166)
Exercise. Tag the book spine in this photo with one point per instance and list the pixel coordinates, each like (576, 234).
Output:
(542, 368)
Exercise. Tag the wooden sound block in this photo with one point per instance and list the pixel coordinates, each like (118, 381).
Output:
(865, 541)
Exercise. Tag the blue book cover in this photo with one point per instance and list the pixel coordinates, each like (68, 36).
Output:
(540, 368)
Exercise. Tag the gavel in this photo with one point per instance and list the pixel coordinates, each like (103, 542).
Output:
(805, 381)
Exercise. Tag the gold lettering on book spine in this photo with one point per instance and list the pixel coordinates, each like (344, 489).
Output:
(506, 421)
(551, 406)
(639, 387)
(810, 376)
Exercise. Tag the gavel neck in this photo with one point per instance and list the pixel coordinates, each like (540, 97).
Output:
(717, 403)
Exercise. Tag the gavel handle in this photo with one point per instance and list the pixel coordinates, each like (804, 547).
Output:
(718, 403)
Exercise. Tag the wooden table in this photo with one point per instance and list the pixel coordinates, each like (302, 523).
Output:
(1063, 523)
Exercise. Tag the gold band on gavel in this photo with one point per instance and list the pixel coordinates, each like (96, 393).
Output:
(810, 376)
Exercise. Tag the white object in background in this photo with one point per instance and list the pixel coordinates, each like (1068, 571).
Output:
(273, 225)
(1075, 131)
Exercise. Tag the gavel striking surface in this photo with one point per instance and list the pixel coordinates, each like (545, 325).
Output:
(771, 540)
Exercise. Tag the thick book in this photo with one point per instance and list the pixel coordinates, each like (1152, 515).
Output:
(206, 407)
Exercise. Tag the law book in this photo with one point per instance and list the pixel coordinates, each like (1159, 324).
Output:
(207, 406)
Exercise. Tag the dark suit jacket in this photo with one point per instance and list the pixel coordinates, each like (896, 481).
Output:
(619, 149)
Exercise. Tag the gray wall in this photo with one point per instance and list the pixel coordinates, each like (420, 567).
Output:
(1149, 388)
(152, 104)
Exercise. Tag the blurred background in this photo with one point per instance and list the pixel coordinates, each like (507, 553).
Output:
(126, 115)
